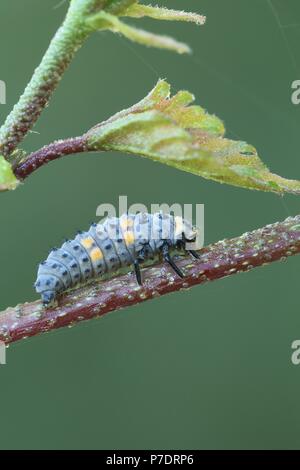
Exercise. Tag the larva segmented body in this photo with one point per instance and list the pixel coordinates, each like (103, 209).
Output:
(109, 246)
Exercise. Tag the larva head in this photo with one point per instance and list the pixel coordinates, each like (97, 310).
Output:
(184, 230)
(47, 286)
(48, 297)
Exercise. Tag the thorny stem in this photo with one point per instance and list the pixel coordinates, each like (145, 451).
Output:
(68, 39)
(271, 243)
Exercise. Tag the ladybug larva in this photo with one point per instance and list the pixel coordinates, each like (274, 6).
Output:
(111, 245)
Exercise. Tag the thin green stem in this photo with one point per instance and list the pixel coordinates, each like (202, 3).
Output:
(68, 39)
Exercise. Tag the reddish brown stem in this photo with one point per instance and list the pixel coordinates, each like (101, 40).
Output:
(271, 243)
(48, 153)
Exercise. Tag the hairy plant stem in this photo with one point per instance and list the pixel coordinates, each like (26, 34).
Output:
(68, 39)
(268, 244)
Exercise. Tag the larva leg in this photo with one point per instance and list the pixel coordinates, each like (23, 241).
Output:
(170, 261)
(194, 254)
(181, 246)
(137, 270)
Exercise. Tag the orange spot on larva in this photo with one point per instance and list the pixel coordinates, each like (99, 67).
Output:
(87, 243)
(96, 254)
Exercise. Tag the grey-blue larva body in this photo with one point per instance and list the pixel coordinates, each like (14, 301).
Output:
(109, 246)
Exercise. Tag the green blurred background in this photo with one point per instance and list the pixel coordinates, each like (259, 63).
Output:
(206, 369)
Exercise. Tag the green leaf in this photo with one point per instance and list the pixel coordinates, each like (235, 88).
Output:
(107, 18)
(7, 178)
(169, 130)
